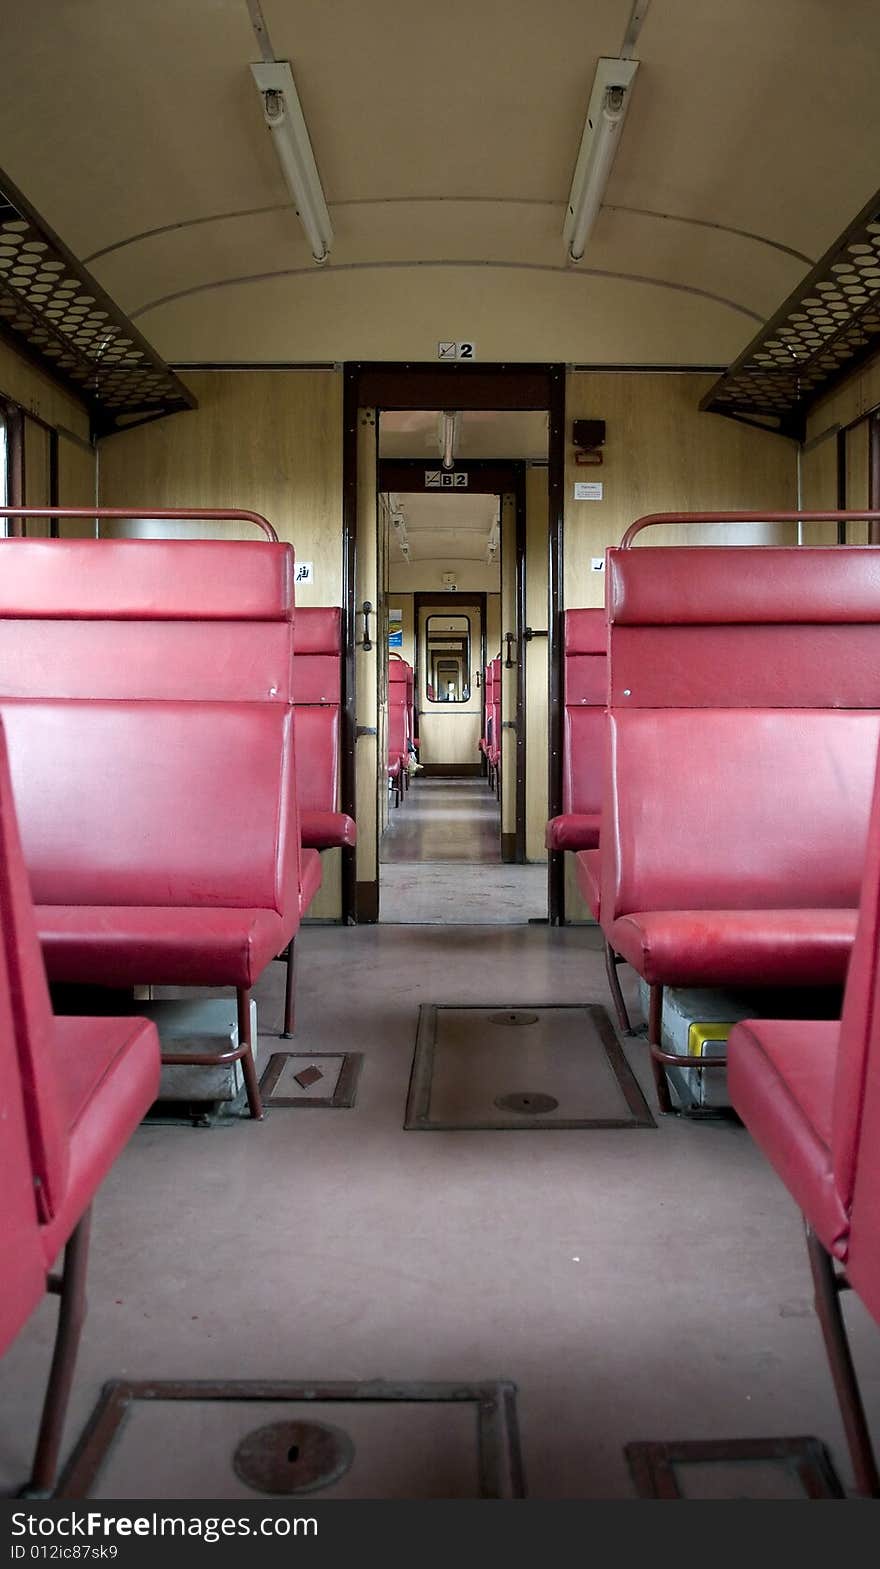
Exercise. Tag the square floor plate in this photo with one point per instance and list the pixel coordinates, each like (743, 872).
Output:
(295, 1078)
(521, 1067)
(770, 1468)
(177, 1440)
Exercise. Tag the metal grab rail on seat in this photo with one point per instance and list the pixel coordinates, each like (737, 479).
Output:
(171, 514)
(652, 519)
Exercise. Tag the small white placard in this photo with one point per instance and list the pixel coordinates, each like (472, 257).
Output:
(304, 572)
(597, 563)
(466, 351)
(446, 351)
(588, 490)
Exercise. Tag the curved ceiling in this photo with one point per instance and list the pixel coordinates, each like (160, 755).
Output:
(445, 139)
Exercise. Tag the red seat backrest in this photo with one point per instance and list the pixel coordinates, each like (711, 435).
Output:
(399, 735)
(166, 639)
(583, 759)
(155, 803)
(744, 626)
(586, 681)
(26, 1070)
(317, 675)
(317, 751)
(756, 808)
(317, 645)
(139, 619)
(586, 657)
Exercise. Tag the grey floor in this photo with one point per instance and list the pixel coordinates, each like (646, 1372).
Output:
(440, 861)
(635, 1284)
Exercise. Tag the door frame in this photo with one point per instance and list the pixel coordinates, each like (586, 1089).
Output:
(400, 385)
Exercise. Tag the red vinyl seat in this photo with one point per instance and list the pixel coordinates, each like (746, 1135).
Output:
(399, 721)
(84, 1085)
(146, 687)
(809, 1093)
(317, 696)
(576, 828)
(744, 703)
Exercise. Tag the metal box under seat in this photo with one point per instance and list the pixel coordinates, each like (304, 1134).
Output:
(698, 1020)
(197, 1025)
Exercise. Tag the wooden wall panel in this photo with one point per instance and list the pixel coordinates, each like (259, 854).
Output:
(270, 441)
(493, 626)
(819, 489)
(854, 397)
(77, 479)
(662, 454)
(39, 394)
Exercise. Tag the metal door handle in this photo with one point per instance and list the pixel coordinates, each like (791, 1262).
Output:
(365, 611)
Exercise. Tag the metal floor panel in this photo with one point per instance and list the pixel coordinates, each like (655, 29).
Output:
(399, 1440)
(511, 1068)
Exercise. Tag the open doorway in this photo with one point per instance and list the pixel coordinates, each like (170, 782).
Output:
(495, 404)
(452, 522)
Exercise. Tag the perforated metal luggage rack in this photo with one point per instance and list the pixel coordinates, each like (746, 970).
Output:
(56, 315)
(824, 330)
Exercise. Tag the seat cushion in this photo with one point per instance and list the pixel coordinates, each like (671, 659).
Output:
(573, 831)
(781, 1081)
(108, 1075)
(327, 830)
(131, 945)
(588, 870)
(393, 767)
(310, 873)
(730, 947)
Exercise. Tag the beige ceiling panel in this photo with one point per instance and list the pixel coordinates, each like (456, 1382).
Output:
(458, 99)
(762, 116)
(402, 313)
(117, 116)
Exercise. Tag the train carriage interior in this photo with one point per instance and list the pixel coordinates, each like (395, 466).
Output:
(440, 694)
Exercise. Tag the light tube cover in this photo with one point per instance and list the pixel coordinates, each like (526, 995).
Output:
(609, 101)
(284, 117)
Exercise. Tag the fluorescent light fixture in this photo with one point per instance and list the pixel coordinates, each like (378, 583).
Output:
(448, 435)
(284, 117)
(609, 102)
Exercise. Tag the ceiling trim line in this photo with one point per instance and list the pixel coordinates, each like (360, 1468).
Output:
(411, 265)
(396, 201)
